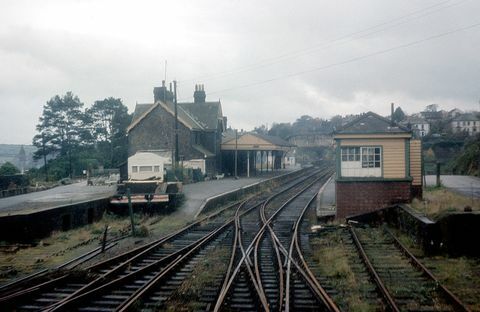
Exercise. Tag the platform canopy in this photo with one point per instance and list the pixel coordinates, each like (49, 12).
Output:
(254, 142)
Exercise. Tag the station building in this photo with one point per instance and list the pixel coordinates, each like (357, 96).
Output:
(378, 164)
(200, 127)
(256, 153)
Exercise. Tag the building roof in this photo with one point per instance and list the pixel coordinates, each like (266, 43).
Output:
(140, 109)
(274, 140)
(371, 123)
(467, 117)
(413, 120)
(229, 137)
(195, 116)
(207, 114)
(206, 153)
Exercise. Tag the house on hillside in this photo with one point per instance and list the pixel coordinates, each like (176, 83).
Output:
(468, 123)
(419, 126)
(200, 127)
(377, 164)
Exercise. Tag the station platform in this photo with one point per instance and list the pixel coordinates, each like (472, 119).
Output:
(52, 198)
(197, 193)
(326, 200)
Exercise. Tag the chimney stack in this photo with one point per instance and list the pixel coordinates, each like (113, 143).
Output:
(391, 116)
(199, 94)
(162, 94)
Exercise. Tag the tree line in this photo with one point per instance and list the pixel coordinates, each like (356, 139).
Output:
(74, 138)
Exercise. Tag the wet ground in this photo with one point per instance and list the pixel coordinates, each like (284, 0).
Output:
(465, 185)
(54, 197)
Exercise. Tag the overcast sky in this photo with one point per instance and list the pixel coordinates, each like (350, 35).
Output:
(267, 61)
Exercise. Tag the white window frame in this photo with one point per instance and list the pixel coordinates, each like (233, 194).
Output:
(361, 161)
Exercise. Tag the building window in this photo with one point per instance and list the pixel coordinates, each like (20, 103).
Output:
(361, 161)
(350, 153)
(156, 168)
(145, 168)
(134, 169)
(371, 157)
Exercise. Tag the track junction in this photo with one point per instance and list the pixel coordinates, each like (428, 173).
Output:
(269, 265)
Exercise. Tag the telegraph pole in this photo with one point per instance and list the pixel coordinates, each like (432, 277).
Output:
(176, 121)
(236, 152)
(44, 158)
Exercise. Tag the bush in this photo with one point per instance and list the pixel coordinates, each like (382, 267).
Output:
(142, 231)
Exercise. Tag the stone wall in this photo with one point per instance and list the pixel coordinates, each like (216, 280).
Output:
(155, 132)
(356, 197)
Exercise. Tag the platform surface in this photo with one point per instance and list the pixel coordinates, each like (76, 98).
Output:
(326, 200)
(197, 193)
(54, 197)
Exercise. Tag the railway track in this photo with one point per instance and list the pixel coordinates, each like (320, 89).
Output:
(405, 283)
(263, 259)
(65, 285)
(119, 282)
(382, 274)
(266, 258)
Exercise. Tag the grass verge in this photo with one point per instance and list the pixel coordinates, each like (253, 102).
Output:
(439, 200)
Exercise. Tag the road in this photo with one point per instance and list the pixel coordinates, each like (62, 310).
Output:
(465, 185)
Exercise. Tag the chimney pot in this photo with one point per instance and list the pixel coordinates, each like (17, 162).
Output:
(199, 94)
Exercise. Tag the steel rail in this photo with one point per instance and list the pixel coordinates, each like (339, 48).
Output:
(136, 252)
(258, 235)
(454, 300)
(281, 271)
(237, 241)
(143, 251)
(154, 281)
(280, 248)
(152, 246)
(384, 291)
(308, 274)
(173, 257)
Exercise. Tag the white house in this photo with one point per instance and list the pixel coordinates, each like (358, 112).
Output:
(469, 123)
(419, 126)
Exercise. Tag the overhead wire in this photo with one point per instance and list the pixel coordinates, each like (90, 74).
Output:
(342, 39)
(351, 60)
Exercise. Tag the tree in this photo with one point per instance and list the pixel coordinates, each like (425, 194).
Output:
(282, 130)
(108, 120)
(60, 128)
(8, 169)
(261, 129)
(398, 115)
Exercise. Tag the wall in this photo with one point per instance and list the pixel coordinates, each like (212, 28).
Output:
(155, 132)
(40, 224)
(393, 154)
(146, 159)
(356, 197)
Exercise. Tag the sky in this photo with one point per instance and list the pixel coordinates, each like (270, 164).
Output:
(267, 61)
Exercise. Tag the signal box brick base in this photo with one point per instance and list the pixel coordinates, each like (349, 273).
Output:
(357, 197)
